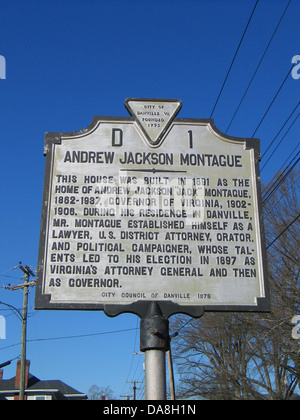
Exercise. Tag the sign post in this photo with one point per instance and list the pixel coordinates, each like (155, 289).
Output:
(155, 341)
(152, 209)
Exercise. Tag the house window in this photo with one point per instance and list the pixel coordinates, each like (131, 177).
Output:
(39, 397)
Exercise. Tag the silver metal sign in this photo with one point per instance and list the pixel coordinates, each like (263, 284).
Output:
(151, 208)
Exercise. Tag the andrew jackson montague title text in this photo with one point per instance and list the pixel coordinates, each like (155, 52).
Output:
(168, 159)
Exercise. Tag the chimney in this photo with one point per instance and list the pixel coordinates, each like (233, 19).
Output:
(1, 374)
(18, 372)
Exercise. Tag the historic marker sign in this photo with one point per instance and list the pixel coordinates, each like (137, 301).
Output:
(151, 208)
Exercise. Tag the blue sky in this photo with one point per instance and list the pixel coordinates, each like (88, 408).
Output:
(67, 61)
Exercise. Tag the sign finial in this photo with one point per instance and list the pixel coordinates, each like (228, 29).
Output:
(154, 116)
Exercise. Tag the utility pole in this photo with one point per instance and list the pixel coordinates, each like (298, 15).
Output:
(26, 270)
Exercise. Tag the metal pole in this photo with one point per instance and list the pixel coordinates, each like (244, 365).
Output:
(23, 340)
(171, 374)
(155, 342)
(155, 375)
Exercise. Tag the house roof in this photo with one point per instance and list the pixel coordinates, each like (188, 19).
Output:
(37, 386)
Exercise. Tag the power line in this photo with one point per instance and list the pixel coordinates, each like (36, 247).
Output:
(272, 142)
(279, 199)
(233, 60)
(287, 228)
(273, 100)
(15, 310)
(276, 148)
(69, 337)
(294, 151)
(3, 274)
(281, 171)
(2, 365)
(132, 359)
(79, 336)
(257, 68)
(279, 180)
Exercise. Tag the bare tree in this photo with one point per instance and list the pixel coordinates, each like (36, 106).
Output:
(251, 356)
(282, 211)
(97, 393)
